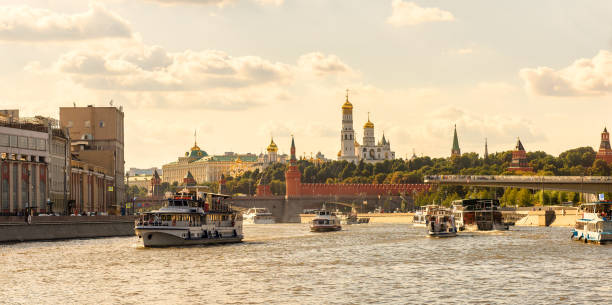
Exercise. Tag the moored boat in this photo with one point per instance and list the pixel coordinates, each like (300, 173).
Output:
(595, 225)
(441, 223)
(420, 216)
(258, 216)
(478, 215)
(325, 221)
(190, 219)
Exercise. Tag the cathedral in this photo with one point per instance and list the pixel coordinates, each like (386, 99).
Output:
(369, 151)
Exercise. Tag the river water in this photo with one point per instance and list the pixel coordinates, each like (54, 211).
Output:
(286, 264)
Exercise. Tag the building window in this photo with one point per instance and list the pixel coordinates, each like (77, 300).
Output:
(102, 124)
(4, 185)
(23, 142)
(41, 144)
(13, 140)
(4, 140)
(69, 124)
(88, 123)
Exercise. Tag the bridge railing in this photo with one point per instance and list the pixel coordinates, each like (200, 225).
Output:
(518, 179)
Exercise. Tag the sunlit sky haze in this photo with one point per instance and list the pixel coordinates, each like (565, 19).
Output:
(241, 71)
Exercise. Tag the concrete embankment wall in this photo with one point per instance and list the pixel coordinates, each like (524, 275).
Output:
(398, 218)
(553, 218)
(13, 229)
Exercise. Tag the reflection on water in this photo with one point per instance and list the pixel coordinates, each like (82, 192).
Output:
(287, 264)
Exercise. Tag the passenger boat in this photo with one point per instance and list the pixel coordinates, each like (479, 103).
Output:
(478, 215)
(595, 225)
(258, 216)
(420, 216)
(325, 221)
(190, 219)
(441, 223)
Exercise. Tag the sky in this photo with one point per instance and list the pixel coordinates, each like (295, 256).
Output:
(242, 71)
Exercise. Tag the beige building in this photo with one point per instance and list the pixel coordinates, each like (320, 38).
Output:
(97, 138)
(205, 168)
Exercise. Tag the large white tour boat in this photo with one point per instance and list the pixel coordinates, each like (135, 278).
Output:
(258, 216)
(190, 219)
(595, 225)
(440, 222)
(325, 221)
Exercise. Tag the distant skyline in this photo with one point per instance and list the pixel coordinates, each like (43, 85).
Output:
(239, 71)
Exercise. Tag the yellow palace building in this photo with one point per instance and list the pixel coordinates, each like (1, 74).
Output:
(205, 168)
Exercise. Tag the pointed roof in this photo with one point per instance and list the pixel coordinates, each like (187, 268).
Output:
(456, 142)
(155, 174)
(486, 154)
(293, 149)
(384, 141)
(189, 175)
(605, 129)
(519, 145)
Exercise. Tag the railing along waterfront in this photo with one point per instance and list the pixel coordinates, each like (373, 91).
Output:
(519, 179)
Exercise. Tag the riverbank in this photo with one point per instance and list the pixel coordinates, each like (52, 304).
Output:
(396, 218)
(16, 229)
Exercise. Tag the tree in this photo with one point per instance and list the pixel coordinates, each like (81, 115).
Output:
(523, 198)
(600, 168)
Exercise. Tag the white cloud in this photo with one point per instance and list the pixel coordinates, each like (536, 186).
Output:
(409, 13)
(153, 69)
(474, 127)
(27, 24)
(219, 3)
(584, 77)
(321, 64)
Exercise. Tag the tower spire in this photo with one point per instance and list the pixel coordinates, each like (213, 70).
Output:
(293, 158)
(347, 91)
(486, 154)
(455, 151)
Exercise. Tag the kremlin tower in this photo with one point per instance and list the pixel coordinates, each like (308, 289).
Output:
(519, 159)
(293, 183)
(605, 152)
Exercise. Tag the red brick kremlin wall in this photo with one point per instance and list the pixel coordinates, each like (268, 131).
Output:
(321, 189)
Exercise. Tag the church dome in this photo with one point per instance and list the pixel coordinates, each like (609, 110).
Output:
(368, 124)
(272, 147)
(339, 153)
(347, 105)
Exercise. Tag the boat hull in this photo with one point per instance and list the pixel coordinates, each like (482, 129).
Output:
(152, 238)
(325, 228)
(442, 234)
(250, 221)
(592, 237)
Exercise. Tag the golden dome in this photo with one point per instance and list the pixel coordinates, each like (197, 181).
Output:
(272, 147)
(347, 105)
(195, 147)
(368, 124)
(339, 153)
(356, 143)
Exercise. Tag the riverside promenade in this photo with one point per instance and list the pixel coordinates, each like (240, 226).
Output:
(16, 228)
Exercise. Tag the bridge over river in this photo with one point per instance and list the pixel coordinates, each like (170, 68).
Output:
(581, 184)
